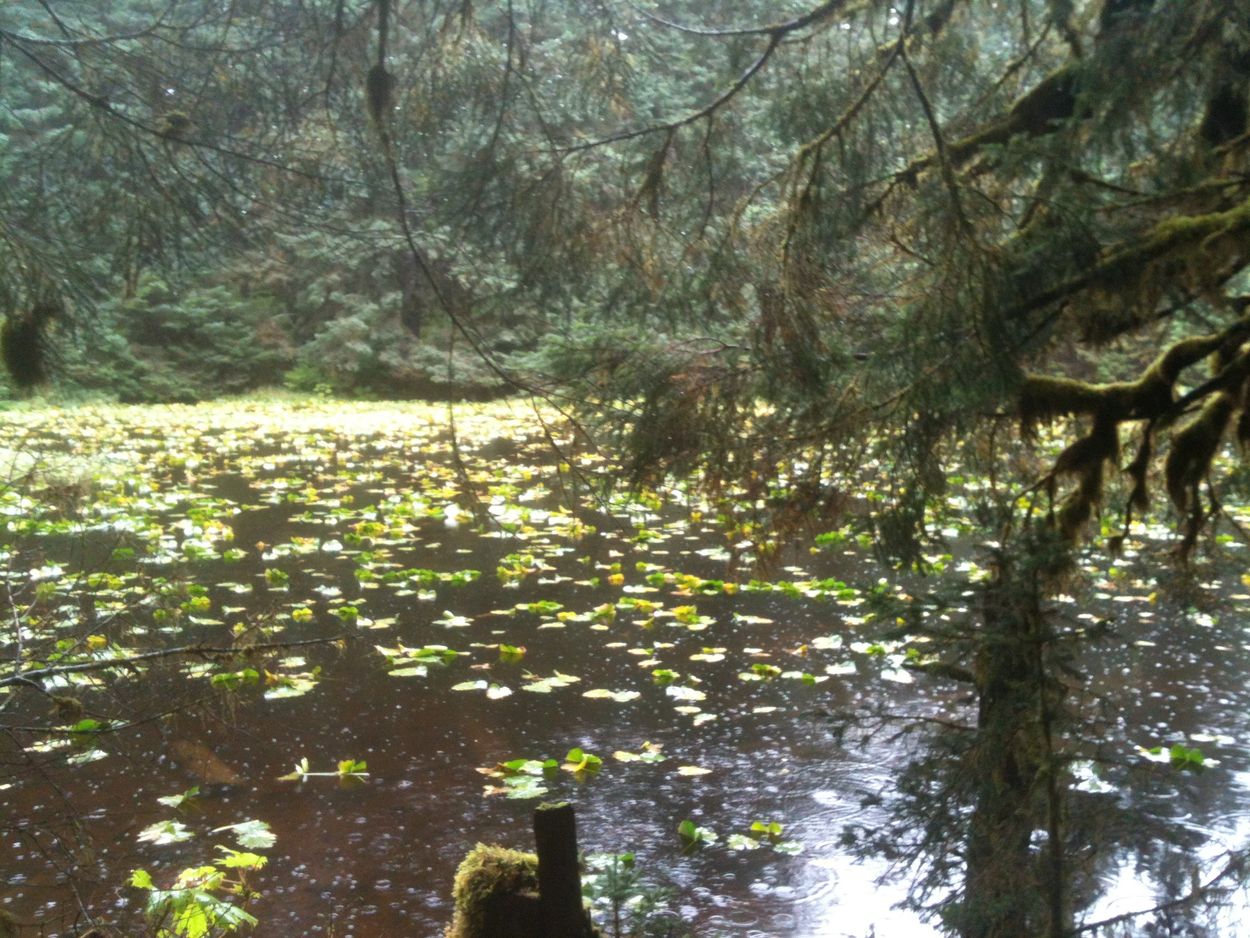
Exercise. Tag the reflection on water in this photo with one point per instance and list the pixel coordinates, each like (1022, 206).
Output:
(377, 859)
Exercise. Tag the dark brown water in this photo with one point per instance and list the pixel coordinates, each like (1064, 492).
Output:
(377, 858)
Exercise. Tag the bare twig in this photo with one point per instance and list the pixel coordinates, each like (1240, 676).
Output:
(204, 651)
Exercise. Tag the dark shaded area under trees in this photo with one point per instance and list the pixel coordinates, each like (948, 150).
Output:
(762, 253)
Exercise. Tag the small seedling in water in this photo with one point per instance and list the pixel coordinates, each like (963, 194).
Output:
(348, 768)
(582, 763)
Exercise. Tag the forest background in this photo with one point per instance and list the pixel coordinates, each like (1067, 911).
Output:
(741, 238)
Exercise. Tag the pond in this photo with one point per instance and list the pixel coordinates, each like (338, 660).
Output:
(536, 617)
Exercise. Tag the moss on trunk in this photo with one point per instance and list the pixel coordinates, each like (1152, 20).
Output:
(496, 895)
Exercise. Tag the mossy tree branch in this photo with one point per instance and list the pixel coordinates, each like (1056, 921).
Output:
(1151, 400)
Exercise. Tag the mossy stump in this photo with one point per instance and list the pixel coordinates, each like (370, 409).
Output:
(502, 893)
(496, 895)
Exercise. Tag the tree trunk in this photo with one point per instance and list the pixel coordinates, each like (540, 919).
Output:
(1012, 889)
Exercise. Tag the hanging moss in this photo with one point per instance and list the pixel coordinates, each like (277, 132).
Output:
(1086, 459)
(1193, 447)
(1139, 497)
(23, 344)
(1243, 421)
(1095, 448)
(496, 895)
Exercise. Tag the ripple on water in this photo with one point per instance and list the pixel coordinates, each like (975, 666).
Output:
(820, 886)
(735, 922)
(836, 805)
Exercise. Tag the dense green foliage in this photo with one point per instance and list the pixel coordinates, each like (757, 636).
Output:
(651, 211)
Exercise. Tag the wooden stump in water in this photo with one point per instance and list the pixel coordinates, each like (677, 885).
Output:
(559, 876)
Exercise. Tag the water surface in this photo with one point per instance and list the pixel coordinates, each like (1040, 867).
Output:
(321, 494)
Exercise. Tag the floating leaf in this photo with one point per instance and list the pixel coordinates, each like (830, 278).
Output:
(681, 692)
(804, 677)
(528, 766)
(544, 607)
(620, 696)
(897, 675)
(1178, 756)
(693, 770)
(750, 619)
(709, 655)
(521, 787)
(165, 832)
(650, 752)
(298, 774)
(289, 685)
(255, 835)
(419, 670)
(233, 679)
(695, 836)
(547, 684)
(276, 578)
(578, 761)
(352, 767)
(177, 801)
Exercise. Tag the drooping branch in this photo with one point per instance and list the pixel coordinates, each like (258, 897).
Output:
(102, 105)
(1129, 267)
(816, 15)
(1044, 398)
(774, 33)
(1039, 112)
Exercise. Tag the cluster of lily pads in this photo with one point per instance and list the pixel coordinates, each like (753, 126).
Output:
(364, 487)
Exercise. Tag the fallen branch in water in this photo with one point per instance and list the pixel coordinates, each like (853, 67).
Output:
(202, 651)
